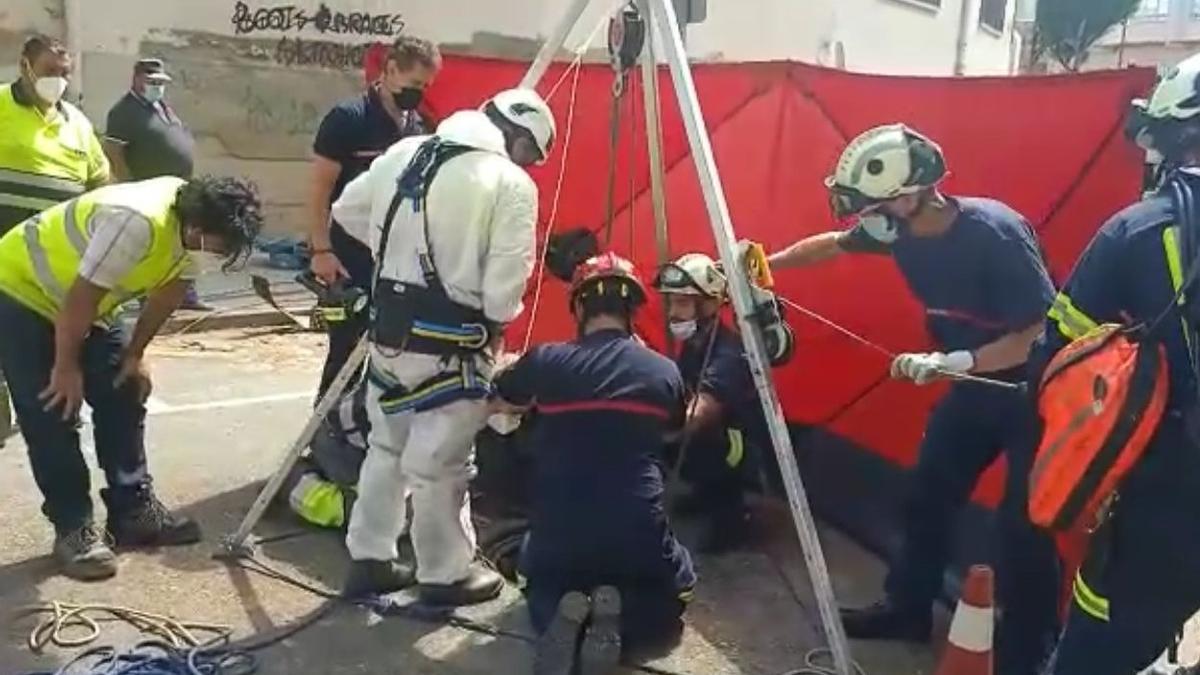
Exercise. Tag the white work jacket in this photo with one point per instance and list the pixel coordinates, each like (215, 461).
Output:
(482, 211)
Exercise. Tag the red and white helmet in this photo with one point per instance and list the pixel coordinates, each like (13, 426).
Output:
(608, 274)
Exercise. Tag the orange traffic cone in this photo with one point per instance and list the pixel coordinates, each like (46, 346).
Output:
(969, 647)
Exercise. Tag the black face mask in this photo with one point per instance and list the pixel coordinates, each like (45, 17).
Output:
(408, 98)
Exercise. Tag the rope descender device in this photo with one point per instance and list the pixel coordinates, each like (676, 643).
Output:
(778, 337)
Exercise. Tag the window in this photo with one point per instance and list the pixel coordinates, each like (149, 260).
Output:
(1153, 9)
(931, 4)
(993, 14)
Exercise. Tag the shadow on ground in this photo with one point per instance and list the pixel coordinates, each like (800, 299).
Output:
(745, 620)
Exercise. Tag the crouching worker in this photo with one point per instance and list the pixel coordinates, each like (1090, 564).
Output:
(64, 274)
(450, 219)
(322, 487)
(600, 551)
(723, 406)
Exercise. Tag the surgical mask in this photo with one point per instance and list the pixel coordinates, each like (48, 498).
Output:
(50, 89)
(882, 228)
(684, 330)
(153, 93)
(408, 98)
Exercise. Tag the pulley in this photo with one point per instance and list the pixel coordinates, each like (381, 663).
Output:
(626, 38)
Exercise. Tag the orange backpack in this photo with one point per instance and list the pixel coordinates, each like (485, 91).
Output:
(1101, 400)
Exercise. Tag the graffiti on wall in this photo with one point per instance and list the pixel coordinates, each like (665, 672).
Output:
(289, 18)
(320, 53)
(292, 51)
(279, 114)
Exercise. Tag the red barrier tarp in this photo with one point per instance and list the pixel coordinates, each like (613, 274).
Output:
(1051, 147)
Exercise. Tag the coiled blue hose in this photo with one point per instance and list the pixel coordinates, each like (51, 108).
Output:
(160, 658)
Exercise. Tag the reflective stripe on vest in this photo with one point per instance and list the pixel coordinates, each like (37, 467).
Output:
(31, 191)
(40, 259)
(1175, 267)
(1072, 323)
(1089, 601)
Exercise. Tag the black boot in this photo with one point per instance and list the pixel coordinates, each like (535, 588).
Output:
(887, 620)
(557, 646)
(84, 554)
(377, 577)
(481, 585)
(601, 651)
(137, 518)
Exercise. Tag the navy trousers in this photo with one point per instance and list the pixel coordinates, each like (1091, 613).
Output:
(344, 335)
(967, 431)
(1139, 584)
(118, 415)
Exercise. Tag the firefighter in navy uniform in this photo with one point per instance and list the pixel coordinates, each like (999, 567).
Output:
(598, 527)
(723, 410)
(1139, 584)
(976, 266)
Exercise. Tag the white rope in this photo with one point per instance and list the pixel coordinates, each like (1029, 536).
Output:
(832, 324)
(579, 53)
(539, 276)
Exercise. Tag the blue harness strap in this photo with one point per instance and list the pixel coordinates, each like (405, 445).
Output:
(464, 384)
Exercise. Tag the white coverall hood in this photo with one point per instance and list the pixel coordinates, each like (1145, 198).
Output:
(473, 128)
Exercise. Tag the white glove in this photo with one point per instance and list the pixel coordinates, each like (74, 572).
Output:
(925, 368)
(504, 423)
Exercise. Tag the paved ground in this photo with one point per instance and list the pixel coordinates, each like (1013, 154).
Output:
(225, 407)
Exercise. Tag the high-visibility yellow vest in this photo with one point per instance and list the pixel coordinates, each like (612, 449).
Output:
(44, 160)
(40, 258)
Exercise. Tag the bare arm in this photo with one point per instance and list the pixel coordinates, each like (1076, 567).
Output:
(71, 327)
(324, 176)
(1009, 351)
(159, 306)
(116, 159)
(808, 251)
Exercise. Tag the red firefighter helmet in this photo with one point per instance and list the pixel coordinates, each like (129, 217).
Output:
(607, 274)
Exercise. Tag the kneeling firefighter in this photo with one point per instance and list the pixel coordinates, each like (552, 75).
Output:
(451, 220)
(600, 550)
(1138, 584)
(723, 409)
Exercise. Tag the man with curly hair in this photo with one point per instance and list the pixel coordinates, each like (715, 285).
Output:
(64, 274)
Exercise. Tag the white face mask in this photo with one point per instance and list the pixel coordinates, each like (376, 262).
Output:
(683, 330)
(50, 89)
(153, 93)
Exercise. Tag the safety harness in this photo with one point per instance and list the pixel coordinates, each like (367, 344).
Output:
(419, 319)
(424, 319)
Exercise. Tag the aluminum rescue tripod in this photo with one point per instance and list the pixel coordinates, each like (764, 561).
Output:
(661, 16)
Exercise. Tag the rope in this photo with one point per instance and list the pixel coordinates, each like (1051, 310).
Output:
(160, 658)
(70, 626)
(540, 276)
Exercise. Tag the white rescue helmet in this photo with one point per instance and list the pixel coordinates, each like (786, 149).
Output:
(526, 109)
(1177, 95)
(691, 274)
(881, 164)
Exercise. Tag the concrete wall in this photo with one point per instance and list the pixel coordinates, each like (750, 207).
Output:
(254, 77)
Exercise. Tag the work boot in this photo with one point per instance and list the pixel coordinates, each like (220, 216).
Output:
(481, 585)
(601, 651)
(137, 518)
(377, 577)
(886, 620)
(556, 647)
(84, 555)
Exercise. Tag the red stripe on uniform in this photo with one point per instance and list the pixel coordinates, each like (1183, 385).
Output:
(605, 406)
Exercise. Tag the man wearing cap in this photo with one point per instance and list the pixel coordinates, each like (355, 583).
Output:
(146, 139)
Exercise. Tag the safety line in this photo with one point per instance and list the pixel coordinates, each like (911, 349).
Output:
(540, 276)
(834, 325)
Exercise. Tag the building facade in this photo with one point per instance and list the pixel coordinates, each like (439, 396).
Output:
(1161, 33)
(254, 77)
